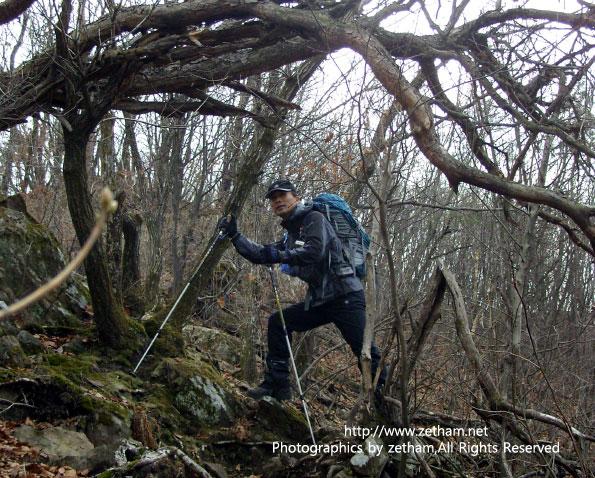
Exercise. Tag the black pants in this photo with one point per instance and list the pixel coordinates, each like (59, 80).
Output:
(348, 313)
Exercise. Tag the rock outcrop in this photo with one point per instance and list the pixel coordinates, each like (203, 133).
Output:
(30, 256)
(199, 392)
(63, 447)
(216, 343)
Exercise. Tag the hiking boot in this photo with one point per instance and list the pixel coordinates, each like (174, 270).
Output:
(263, 390)
(276, 382)
(283, 394)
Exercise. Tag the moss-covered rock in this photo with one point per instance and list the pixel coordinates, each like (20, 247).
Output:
(8, 327)
(164, 462)
(159, 402)
(29, 343)
(282, 420)
(63, 447)
(11, 353)
(106, 421)
(372, 459)
(60, 388)
(170, 342)
(30, 256)
(215, 342)
(199, 393)
(206, 401)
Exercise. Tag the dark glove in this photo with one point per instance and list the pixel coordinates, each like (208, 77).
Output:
(271, 254)
(229, 225)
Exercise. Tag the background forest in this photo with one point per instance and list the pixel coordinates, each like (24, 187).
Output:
(461, 133)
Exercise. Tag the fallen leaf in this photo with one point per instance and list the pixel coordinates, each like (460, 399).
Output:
(14, 470)
(241, 433)
(34, 468)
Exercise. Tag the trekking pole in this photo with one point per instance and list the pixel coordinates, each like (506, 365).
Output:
(297, 378)
(221, 235)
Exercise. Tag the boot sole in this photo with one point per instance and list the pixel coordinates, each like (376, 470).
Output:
(257, 395)
(282, 396)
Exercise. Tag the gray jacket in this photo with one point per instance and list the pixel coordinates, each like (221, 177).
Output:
(313, 251)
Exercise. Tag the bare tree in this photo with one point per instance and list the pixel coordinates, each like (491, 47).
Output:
(486, 163)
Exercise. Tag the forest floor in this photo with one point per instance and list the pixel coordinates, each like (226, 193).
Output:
(19, 460)
(22, 460)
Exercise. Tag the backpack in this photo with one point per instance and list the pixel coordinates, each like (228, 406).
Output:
(353, 238)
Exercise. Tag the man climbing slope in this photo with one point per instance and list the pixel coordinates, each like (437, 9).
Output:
(313, 252)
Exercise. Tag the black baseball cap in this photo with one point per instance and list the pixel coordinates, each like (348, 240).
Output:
(280, 185)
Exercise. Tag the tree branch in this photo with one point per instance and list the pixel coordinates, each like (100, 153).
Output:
(10, 9)
(209, 106)
(498, 404)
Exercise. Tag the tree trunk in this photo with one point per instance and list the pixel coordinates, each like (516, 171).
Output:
(106, 150)
(131, 280)
(304, 355)
(177, 174)
(114, 246)
(106, 158)
(155, 265)
(249, 372)
(518, 288)
(167, 163)
(232, 150)
(6, 172)
(110, 318)
(377, 146)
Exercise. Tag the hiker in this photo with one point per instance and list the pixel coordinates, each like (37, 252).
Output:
(312, 251)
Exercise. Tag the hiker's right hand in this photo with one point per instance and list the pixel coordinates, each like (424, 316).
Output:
(228, 225)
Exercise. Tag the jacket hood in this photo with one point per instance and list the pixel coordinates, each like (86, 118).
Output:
(300, 210)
